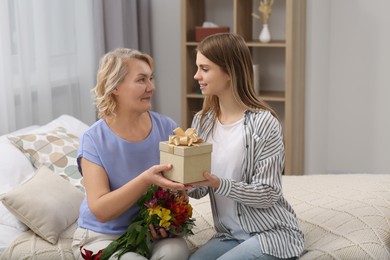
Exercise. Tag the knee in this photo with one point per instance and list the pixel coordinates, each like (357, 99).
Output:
(171, 249)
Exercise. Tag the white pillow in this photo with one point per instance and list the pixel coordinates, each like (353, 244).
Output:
(70, 123)
(14, 169)
(46, 203)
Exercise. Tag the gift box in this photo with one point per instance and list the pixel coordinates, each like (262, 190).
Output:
(189, 162)
(203, 32)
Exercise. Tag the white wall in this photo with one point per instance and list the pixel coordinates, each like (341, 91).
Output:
(166, 53)
(347, 86)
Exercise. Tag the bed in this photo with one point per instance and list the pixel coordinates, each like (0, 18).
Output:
(343, 216)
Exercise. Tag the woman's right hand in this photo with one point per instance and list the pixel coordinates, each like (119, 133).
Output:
(154, 175)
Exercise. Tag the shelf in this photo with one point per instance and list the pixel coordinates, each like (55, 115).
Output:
(281, 62)
(254, 43)
(274, 96)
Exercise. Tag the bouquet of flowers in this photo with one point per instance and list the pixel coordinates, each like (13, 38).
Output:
(162, 208)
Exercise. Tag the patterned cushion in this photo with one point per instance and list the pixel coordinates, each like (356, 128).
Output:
(56, 149)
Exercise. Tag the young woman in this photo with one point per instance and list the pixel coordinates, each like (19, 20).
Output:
(119, 156)
(252, 218)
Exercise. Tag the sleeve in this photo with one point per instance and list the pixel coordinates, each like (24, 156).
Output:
(88, 150)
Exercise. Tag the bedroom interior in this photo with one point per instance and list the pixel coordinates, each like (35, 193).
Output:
(341, 199)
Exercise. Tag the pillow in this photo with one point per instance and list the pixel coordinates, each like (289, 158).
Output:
(3, 138)
(8, 219)
(56, 149)
(46, 203)
(70, 123)
(14, 169)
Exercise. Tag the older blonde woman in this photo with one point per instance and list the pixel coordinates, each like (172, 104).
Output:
(119, 156)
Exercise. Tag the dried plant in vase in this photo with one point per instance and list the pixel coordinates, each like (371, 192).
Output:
(265, 9)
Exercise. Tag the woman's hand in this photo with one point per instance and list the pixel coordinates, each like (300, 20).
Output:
(155, 235)
(154, 175)
(211, 181)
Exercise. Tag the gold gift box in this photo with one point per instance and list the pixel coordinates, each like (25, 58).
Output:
(189, 162)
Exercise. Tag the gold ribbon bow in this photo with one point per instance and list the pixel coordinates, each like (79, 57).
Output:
(187, 137)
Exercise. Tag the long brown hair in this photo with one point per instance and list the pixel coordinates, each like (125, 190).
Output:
(232, 55)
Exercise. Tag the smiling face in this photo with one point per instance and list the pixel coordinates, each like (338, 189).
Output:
(211, 78)
(135, 92)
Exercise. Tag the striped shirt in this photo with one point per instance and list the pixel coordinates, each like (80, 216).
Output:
(262, 210)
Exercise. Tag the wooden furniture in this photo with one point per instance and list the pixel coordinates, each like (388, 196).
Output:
(281, 61)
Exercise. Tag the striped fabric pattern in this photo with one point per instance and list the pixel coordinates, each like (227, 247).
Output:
(260, 203)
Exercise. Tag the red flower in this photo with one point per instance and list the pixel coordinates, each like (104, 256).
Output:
(88, 255)
(158, 207)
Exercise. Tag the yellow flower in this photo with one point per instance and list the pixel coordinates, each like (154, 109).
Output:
(165, 217)
(160, 208)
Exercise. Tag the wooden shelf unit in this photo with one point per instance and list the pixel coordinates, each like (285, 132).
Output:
(282, 62)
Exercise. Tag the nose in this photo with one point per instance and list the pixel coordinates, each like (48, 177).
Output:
(150, 86)
(196, 76)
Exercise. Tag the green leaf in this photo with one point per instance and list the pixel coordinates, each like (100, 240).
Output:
(141, 235)
(109, 250)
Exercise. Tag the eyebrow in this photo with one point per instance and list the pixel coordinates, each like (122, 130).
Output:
(203, 65)
(145, 75)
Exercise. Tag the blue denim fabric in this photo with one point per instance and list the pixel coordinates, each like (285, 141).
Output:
(217, 249)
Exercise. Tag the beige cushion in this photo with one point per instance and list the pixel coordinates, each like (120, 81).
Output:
(46, 203)
(343, 216)
(56, 149)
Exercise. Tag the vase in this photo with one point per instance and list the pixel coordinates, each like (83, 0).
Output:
(265, 35)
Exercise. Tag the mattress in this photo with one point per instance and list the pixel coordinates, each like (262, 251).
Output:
(8, 234)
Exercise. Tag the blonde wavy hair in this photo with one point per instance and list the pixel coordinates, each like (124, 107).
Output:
(113, 69)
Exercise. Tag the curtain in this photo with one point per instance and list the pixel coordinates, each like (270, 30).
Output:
(122, 23)
(49, 53)
(48, 61)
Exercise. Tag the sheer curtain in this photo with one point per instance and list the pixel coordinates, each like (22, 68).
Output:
(49, 53)
(122, 23)
(47, 61)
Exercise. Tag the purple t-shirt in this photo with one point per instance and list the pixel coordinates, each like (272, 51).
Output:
(122, 161)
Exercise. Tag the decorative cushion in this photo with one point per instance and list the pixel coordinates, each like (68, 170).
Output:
(56, 149)
(343, 216)
(46, 203)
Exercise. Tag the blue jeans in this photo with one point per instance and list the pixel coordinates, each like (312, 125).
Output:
(231, 250)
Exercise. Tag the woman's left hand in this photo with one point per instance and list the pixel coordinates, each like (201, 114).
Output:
(211, 181)
(155, 236)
